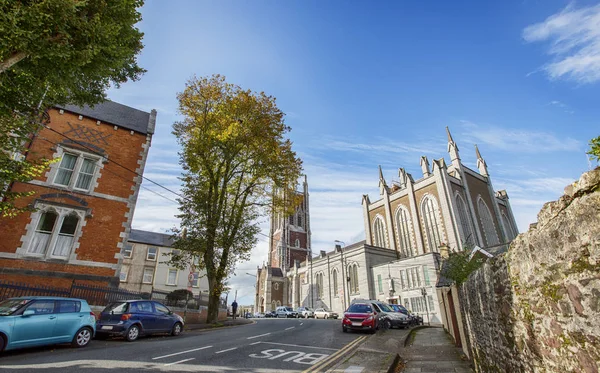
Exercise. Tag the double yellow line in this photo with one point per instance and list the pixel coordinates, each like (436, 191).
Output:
(336, 355)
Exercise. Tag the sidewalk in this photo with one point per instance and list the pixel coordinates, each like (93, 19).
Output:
(220, 324)
(431, 351)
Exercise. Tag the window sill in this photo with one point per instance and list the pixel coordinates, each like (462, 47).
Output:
(170, 284)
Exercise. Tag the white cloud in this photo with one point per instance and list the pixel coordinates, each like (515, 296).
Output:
(574, 36)
(517, 140)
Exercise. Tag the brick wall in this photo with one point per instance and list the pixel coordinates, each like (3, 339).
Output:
(104, 230)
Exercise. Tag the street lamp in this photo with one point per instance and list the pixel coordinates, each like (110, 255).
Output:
(345, 276)
(424, 293)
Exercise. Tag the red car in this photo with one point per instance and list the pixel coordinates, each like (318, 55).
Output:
(360, 316)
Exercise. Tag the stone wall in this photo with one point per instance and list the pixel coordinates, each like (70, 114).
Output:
(537, 307)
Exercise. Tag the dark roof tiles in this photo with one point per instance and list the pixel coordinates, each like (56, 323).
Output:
(151, 238)
(117, 114)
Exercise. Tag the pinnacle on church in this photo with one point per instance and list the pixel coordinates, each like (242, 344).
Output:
(449, 135)
(381, 179)
(477, 152)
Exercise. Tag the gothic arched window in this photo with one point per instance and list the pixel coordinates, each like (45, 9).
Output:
(334, 274)
(379, 232)
(433, 223)
(404, 231)
(511, 231)
(465, 221)
(489, 229)
(353, 274)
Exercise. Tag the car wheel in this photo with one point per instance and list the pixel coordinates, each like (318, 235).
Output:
(344, 329)
(82, 337)
(2, 343)
(177, 328)
(132, 333)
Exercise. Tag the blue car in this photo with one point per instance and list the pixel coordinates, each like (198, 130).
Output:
(133, 318)
(38, 321)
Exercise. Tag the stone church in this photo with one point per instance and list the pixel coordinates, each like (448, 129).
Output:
(408, 230)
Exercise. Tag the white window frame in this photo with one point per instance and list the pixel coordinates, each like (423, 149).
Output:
(196, 280)
(151, 275)
(124, 270)
(297, 243)
(54, 171)
(62, 212)
(148, 253)
(130, 251)
(169, 276)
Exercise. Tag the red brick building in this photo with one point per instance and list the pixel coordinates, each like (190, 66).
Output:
(84, 203)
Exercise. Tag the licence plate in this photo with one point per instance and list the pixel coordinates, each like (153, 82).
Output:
(106, 327)
(356, 324)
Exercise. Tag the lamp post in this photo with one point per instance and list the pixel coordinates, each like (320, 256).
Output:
(424, 293)
(345, 275)
(255, 292)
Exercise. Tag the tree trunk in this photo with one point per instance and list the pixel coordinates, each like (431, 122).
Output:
(10, 61)
(213, 308)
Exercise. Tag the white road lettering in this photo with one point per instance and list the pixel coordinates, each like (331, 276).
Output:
(258, 336)
(182, 352)
(180, 361)
(297, 356)
(265, 352)
(229, 349)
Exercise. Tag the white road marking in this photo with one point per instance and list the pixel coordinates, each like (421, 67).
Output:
(285, 344)
(229, 349)
(182, 352)
(177, 362)
(301, 323)
(291, 327)
(354, 369)
(257, 336)
(255, 343)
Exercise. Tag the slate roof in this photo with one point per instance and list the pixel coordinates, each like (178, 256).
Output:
(150, 238)
(117, 114)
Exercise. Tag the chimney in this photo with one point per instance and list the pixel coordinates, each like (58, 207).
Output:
(323, 253)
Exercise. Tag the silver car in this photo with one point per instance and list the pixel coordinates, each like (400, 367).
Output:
(305, 312)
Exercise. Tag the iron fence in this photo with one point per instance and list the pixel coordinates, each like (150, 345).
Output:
(97, 295)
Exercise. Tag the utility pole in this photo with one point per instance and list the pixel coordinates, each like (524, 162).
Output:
(424, 292)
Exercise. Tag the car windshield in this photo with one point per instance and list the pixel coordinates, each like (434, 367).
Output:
(360, 308)
(10, 306)
(116, 308)
(290, 309)
(384, 307)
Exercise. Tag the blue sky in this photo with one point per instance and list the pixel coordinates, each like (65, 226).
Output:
(367, 84)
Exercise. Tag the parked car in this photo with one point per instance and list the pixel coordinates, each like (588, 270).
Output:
(360, 316)
(259, 315)
(37, 321)
(271, 314)
(286, 312)
(401, 309)
(133, 318)
(305, 312)
(321, 313)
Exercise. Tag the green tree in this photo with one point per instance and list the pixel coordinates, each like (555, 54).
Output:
(57, 52)
(595, 148)
(237, 167)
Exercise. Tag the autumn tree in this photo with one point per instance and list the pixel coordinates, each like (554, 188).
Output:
(57, 52)
(234, 156)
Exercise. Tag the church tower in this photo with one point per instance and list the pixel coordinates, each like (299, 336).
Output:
(290, 235)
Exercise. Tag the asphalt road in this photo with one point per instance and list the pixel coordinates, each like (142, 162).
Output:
(270, 345)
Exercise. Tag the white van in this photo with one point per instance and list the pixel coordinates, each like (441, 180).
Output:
(287, 312)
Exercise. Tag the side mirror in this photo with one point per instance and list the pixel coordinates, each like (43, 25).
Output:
(170, 312)
(28, 313)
